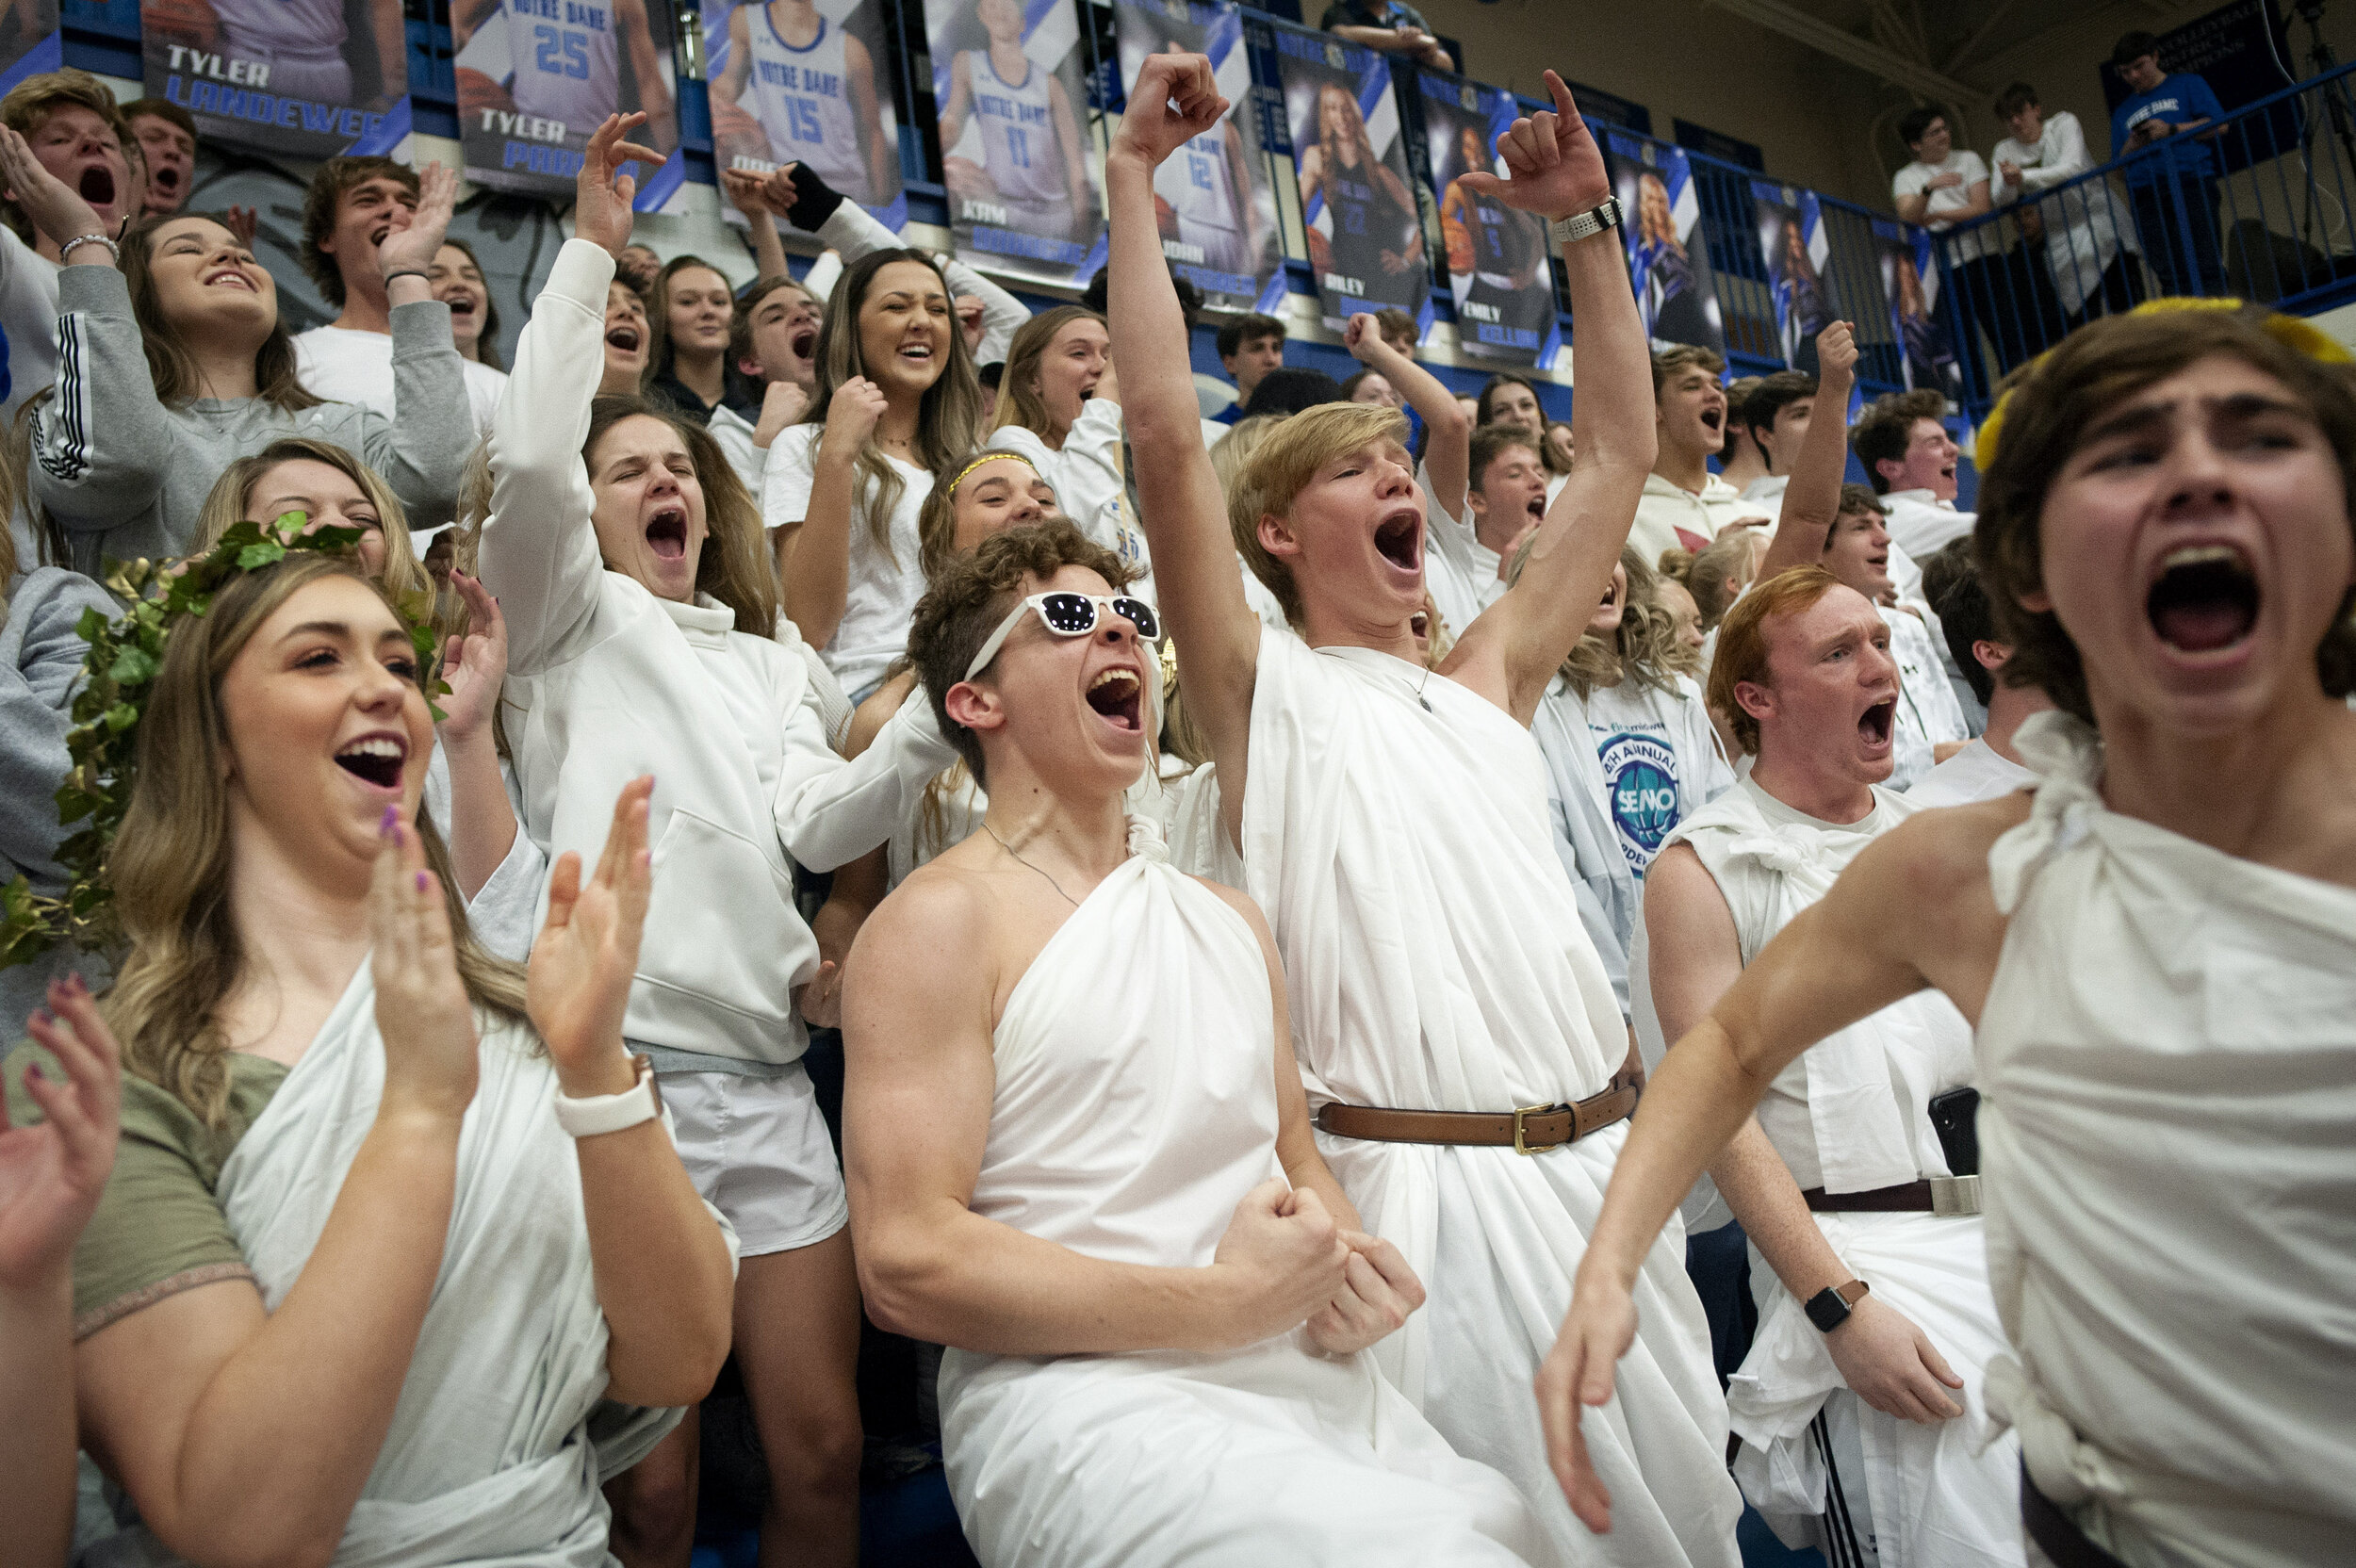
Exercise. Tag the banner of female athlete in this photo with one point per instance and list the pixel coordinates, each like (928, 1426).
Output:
(1366, 240)
(1910, 282)
(535, 77)
(1791, 240)
(1668, 262)
(297, 79)
(807, 82)
(1015, 153)
(1218, 211)
(1496, 256)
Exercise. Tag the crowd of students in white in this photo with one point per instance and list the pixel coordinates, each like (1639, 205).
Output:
(1212, 1177)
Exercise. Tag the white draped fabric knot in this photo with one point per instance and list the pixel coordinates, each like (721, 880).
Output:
(2067, 753)
(1145, 840)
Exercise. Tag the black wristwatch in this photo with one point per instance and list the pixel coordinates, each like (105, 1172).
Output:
(1830, 1307)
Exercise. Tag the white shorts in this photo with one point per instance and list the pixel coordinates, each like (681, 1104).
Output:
(757, 1150)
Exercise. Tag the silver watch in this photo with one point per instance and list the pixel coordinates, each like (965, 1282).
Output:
(1578, 225)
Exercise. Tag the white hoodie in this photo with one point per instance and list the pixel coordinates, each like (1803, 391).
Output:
(606, 682)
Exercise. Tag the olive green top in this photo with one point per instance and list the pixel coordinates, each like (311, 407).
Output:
(158, 1229)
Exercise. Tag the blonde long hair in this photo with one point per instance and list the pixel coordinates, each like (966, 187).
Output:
(170, 863)
(225, 506)
(1645, 649)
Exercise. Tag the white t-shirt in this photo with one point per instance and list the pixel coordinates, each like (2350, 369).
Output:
(1929, 713)
(1922, 525)
(1978, 772)
(733, 433)
(1915, 179)
(1670, 517)
(883, 588)
(349, 367)
(1660, 761)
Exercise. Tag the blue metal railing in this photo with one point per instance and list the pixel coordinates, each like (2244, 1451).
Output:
(2270, 218)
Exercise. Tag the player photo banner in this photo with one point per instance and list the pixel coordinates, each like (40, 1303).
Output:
(31, 45)
(1365, 238)
(1011, 86)
(1668, 262)
(1498, 266)
(537, 78)
(806, 81)
(1216, 209)
(1791, 240)
(1910, 282)
(297, 79)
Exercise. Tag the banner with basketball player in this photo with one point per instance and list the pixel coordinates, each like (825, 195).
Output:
(1364, 236)
(1217, 207)
(537, 78)
(807, 82)
(295, 78)
(1497, 265)
(1016, 156)
(30, 43)
(1668, 262)
(1793, 240)
(1910, 282)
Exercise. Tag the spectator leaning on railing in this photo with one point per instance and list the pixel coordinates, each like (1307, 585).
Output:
(2094, 268)
(2174, 190)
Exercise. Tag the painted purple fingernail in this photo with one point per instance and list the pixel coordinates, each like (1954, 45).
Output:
(48, 1018)
(420, 881)
(33, 1071)
(390, 820)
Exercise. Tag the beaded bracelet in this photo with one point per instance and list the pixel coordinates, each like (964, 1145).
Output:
(80, 239)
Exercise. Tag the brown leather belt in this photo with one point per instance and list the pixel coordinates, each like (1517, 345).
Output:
(1531, 1130)
(1950, 1195)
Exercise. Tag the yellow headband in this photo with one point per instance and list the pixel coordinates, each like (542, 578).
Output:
(988, 457)
(2302, 337)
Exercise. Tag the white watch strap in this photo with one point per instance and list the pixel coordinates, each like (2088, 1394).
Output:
(1578, 225)
(611, 1113)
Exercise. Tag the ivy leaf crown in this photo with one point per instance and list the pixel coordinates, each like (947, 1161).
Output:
(118, 672)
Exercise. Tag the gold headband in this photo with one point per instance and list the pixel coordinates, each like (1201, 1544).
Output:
(988, 457)
(2300, 336)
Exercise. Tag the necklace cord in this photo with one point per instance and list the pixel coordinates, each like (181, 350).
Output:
(1020, 861)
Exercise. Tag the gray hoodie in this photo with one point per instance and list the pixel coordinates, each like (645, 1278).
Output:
(125, 476)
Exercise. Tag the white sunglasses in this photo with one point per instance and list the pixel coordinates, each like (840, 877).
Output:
(1067, 615)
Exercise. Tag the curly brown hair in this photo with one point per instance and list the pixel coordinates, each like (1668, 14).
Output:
(2094, 369)
(972, 594)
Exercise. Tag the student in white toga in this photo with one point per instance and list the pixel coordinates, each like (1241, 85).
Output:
(1157, 1297)
(2157, 949)
(1392, 821)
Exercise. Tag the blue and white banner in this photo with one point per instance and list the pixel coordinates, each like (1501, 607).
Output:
(294, 78)
(1216, 209)
(1797, 251)
(31, 45)
(1364, 236)
(1497, 268)
(1668, 260)
(1909, 276)
(537, 78)
(1017, 157)
(807, 82)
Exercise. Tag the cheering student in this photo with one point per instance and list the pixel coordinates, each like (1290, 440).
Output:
(353, 205)
(1338, 749)
(70, 121)
(813, 99)
(1059, 408)
(627, 335)
(2153, 950)
(474, 320)
(178, 365)
(1034, 166)
(641, 617)
(377, 1247)
(1159, 1294)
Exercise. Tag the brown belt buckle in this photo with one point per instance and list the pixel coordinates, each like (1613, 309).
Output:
(1521, 1130)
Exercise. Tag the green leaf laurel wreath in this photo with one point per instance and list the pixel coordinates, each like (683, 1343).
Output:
(124, 658)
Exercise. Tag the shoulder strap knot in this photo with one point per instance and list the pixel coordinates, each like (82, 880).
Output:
(2066, 753)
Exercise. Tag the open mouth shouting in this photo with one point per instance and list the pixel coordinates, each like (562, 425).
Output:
(1399, 539)
(1538, 507)
(1874, 726)
(1713, 419)
(376, 760)
(164, 177)
(917, 354)
(666, 533)
(97, 186)
(2204, 602)
(1119, 696)
(463, 305)
(805, 343)
(624, 337)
